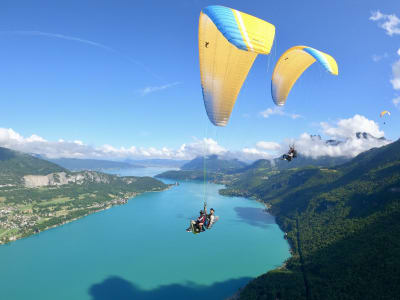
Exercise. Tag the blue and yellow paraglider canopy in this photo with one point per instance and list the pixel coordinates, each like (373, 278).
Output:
(229, 41)
(292, 64)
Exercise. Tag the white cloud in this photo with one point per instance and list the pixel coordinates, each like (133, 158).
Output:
(151, 89)
(78, 149)
(344, 132)
(263, 149)
(376, 15)
(396, 75)
(347, 128)
(278, 111)
(78, 142)
(206, 146)
(250, 154)
(396, 101)
(35, 138)
(350, 147)
(343, 138)
(398, 51)
(377, 58)
(268, 145)
(390, 23)
(271, 111)
(340, 140)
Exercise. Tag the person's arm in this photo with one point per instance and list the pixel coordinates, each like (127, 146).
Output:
(211, 221)
(203, 219)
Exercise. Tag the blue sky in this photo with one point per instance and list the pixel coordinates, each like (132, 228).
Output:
(126, 73)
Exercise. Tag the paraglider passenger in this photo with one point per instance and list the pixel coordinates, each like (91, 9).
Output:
(198, 224)
(210, 218)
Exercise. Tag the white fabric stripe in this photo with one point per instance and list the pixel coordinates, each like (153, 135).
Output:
(243, 29)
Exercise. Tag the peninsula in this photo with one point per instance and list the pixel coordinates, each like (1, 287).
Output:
(36, 195)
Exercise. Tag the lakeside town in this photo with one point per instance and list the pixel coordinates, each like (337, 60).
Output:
(17, 223)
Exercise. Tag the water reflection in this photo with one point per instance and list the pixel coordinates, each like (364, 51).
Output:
(117, 288)
(254, 216)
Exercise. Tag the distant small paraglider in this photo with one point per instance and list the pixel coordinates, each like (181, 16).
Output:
(383, 113)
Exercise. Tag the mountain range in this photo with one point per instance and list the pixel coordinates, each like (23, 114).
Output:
(78, 164)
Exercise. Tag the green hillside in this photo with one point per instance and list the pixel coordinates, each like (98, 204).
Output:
(306, 161)
(300, 162)
(36, 194)
(342, 223)
(14, 165)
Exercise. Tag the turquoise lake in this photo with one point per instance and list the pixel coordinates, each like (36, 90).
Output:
(141, 250)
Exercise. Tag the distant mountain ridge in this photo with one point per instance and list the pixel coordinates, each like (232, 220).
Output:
(213, 163)
(158, 162)
(79, 164)
(357, 135)
(216, 167)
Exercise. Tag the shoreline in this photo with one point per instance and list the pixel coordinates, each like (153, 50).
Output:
(120, 201)
(268, 206)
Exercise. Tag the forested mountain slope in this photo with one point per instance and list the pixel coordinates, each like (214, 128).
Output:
(343, 224)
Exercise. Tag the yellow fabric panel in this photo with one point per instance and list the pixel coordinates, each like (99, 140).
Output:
(257, 34)
(223, 69)
(287, 70)
(332, 63)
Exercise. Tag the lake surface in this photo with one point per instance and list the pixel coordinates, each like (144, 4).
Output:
(141, 250)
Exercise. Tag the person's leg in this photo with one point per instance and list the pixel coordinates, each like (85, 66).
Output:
(198, 226)
(190, 226)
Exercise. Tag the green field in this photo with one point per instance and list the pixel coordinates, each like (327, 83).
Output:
(57, 200)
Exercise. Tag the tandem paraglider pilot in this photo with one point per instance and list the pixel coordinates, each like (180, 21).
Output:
(204, 221)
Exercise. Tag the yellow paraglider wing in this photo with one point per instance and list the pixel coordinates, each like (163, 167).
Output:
(384, 113)
(229, 42)
(291, 65)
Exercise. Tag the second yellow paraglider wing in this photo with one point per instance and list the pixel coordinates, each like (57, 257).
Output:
(291, 65)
